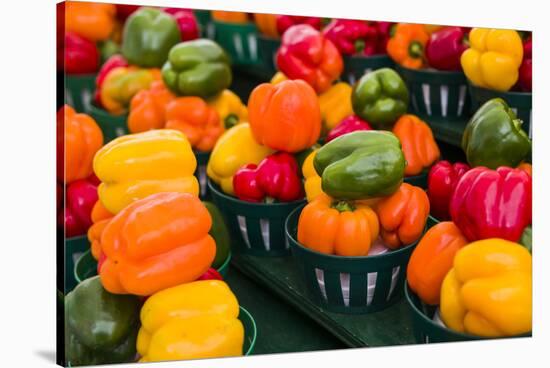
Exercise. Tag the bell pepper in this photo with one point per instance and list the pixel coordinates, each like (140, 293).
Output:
(135, 166)
(526, 69)
(431, 28)
(335, 104)
(81, 55)
(527, 167)
(148, 36)
(123, 11)
(276, 177)
(488, 292)
(100, 217)
(147, 108)
(492, 203)
(337, 227)
(406, 46)
(121, 84)
(234, 149)
(230, 108)
(353, 37)
(278, 77)
(493, 59)
(110, 64)
(191, 321)
(100, 327)
(306, 54)
(155, 243)
(187, 22)
(403, 216)
(199, 122)
(211, 274)
(380, 97)
(80, 198)
(93, 21)
(432, 259)
(493, 137)
(527, 238)
(230, 17)
(220, 232)
(78, 139)
(445, 47)
(285, 116)
(351, 123)
(197, 68)
(442, 180)
(312, 181)
(417, 142)
(284, 22)
(361, 165)
(267, 24)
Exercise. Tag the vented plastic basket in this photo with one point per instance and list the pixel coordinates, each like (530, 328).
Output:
(79, 91)
(420, 180)
(250, 331)
(112, 126)
(268, 47)
(356, 66)
(239, 41)
(200, 173)
(74, 248)
(205, 21)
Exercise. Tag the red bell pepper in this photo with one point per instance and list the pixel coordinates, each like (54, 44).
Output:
(211, 274)
(81, 55)
(123, 11)
(113, 62)
(277, 177)
(526, 69)
(442, 180)
(348, 124)
(385, 30)
(284, 22)
(445, 47)
(306, 54)
(187, 23)
(492, 203)
(357, 36)
(80, 199)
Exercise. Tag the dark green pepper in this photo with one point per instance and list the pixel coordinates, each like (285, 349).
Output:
(197, 68)
(100, 327)
(220, 232)
(527, 238)
(361, 165)
(380, 97)
(148, 36)
(493, 137)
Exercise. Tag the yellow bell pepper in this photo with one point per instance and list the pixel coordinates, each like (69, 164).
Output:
(493, 59)
(190, 321)
(278, 78)
(335, 105)
(234, 149)
(135, 166)
(312, 184)
(230, 108)
(488, 292)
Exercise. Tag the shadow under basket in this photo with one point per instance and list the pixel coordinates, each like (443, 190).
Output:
(256, 228)
(355, 66)
(436, 93)
(350, 285)
(420, 180)
(200, 173)
(239, 41)
(79, 91)
(74, 249)
(519, 102)
(112, 126)
(267, 47)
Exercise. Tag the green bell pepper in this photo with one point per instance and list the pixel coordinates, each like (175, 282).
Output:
(361, 165)
(100, 327)
(197, 68)
(527, 238)
(380, 97)
(493, 137)
(220, 232)
(148, 36)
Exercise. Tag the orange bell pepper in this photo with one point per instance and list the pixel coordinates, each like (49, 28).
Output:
(79, 138)
(406, 46)
(93, 21)
(417, 142)
(403, 216)
(147, 108)
(527, 167)
(285, 116)
(267, 24)
(230, 17)
(100, 218)
(337, 227)
(196, 119)
(432, 259)
(156, 243)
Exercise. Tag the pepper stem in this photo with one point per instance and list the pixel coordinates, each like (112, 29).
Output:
(416, 50)
(359, 46)
(230, 121)
(342, 206)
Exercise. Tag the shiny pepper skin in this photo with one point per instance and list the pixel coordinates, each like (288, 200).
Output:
(442, 180)
(351, 123)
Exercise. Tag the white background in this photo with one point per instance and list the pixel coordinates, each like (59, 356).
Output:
(27, 181)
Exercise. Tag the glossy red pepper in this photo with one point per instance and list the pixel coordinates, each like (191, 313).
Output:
(349, 124)
(277, 177)
(80, 199)
(123, 11)
(356, 37)
(211, 274)
(81, 55)
(492, 203)
(284, 22)
(187, 22)
(525, 81)
(445, 47)
(113, 62)
(385, 30)
(442, 180)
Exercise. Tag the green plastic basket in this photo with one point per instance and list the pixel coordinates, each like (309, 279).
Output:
(436, 93)
(268, 47)
(74, 249)
(426, 327)
(200, 173)
(239, 41)
(432, 221)
(420, 180)
(356, 66)
(256, 228)
(519, 102)
(371, 283)
(79, 91)
(250, 331)
(112, 126)
(205, 21)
